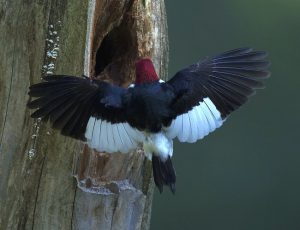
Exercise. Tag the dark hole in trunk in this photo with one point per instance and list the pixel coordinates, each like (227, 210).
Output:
(117, 54)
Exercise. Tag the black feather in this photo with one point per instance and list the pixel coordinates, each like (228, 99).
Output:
(68, 102)
(228, 79)
(163, 173)
(251, 56)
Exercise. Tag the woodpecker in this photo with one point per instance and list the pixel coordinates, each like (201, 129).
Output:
(151, 113)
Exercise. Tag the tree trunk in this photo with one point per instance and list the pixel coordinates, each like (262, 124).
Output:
(101, 39)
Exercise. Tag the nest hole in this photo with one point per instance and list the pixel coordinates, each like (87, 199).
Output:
(116, 55)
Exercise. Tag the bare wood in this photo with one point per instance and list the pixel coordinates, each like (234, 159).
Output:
(37, 190)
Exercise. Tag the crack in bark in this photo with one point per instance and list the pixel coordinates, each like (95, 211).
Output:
(6, 110)
(73, 206)
(10, 87)
(37, 191)
(35, 141)
(113, 212)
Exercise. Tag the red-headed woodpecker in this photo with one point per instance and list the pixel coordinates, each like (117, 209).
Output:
(151, 113)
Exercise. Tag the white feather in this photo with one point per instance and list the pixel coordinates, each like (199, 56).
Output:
(194, 130)
(121, 133)
(158, 144)
(135, 135)
(117, 138)
(111, 146)
(195, 124)
(178, 125)
(173, 129)
(128, 144)
(214, 111)
(90, 128)
(209, 117)
(204, 123)
(199, 122)
(95, 136)
(103, 138)
(183, 131)
(186, 127)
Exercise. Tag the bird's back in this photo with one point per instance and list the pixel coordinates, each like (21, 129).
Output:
(148, 106)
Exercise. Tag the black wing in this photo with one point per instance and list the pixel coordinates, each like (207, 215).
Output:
(69, 102)
(227, 80)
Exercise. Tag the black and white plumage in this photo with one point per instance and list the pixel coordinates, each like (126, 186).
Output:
(151, 113)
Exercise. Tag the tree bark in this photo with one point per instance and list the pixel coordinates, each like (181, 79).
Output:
(101, 39)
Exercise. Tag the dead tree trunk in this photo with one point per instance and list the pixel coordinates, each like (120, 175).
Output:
(96, 37)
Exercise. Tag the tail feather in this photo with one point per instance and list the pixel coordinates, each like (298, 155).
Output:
(164, 173)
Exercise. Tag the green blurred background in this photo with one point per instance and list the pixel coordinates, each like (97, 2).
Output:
(246, 175)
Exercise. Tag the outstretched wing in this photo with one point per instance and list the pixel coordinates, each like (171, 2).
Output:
(85, 109)
(208, 91)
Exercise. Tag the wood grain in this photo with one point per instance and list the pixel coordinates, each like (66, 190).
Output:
(37, 164)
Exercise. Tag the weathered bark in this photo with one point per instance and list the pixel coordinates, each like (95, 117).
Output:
(96, 37)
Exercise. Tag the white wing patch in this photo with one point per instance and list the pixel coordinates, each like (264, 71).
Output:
(104, 136)
(195, 124)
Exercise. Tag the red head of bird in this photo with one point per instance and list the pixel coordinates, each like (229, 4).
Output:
(145, 71)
